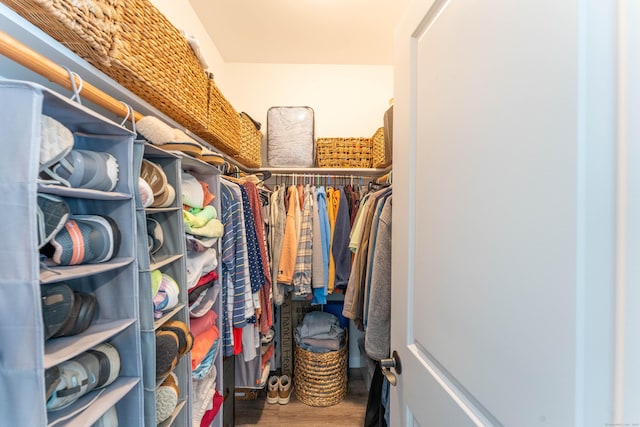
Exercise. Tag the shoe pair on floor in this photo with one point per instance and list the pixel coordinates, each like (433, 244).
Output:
(74, 239)
(279, 389)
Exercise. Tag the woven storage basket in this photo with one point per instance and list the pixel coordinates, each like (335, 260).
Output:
(381, 159)
(320, 379)
(343, 152)
(152, 59)
(223, 122)
(250, 143)
(87, 27)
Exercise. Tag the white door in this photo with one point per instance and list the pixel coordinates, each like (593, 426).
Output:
(516, 217)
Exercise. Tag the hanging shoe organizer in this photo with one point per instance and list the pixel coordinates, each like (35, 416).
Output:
(113, 282)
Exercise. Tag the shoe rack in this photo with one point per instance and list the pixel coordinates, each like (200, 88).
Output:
(211, 175)
(169, 259)
(25, 355)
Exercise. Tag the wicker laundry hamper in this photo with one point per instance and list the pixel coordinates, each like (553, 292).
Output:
(320, 379)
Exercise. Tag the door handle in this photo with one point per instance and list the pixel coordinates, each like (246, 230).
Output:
(387, 364)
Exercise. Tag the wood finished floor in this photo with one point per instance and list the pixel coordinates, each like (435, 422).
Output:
(347, 413)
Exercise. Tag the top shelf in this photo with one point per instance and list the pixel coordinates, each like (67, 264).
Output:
(38, 41)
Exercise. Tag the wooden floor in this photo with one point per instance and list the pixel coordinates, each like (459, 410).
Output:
(348, 413)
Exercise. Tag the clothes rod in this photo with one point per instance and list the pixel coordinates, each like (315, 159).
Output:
(23, 55)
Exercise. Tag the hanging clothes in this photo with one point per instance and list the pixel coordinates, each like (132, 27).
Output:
(317, 256)
(277, 220)
(340, 245)
(303, 271)
(378, 313)
(325, 233)
(266, 319)
(353, 303)
(287, 264)
(331, 212)
(235, 272)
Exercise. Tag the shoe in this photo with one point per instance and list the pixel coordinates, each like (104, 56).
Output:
(74, 383)
(211, 157)
(167, 352)
(95, 368)
(155, 235)
(153, 175)
(167, 398)
(57, 300)
(166, 198)
(109, 419)
(109, 363)
(184, 143)
(56, 142)
(146, 193)
(85, 239)
(95, 170)
(272, 389)
(53, 213)
(51, 380)
(164, 136)
(284, 389)
(185, 338)
(77, 312)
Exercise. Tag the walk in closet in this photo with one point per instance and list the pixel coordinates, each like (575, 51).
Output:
(153, 286)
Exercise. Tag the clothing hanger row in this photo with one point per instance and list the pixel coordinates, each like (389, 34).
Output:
(318, 179)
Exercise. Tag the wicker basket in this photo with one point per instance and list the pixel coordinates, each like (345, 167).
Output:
(223, 122)
(152, 59)
(250, 143)
(87, 27)
(343, 152)
(320, 379)
(381, 159)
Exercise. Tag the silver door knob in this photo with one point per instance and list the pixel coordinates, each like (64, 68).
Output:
(388, 364)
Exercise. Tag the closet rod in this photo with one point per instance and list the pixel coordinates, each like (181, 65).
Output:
(314, 175)
(40, 64)
(23, 55)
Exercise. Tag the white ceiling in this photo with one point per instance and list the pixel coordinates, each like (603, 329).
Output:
(302, 31)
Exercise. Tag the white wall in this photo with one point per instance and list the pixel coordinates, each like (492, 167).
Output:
(348, 100)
